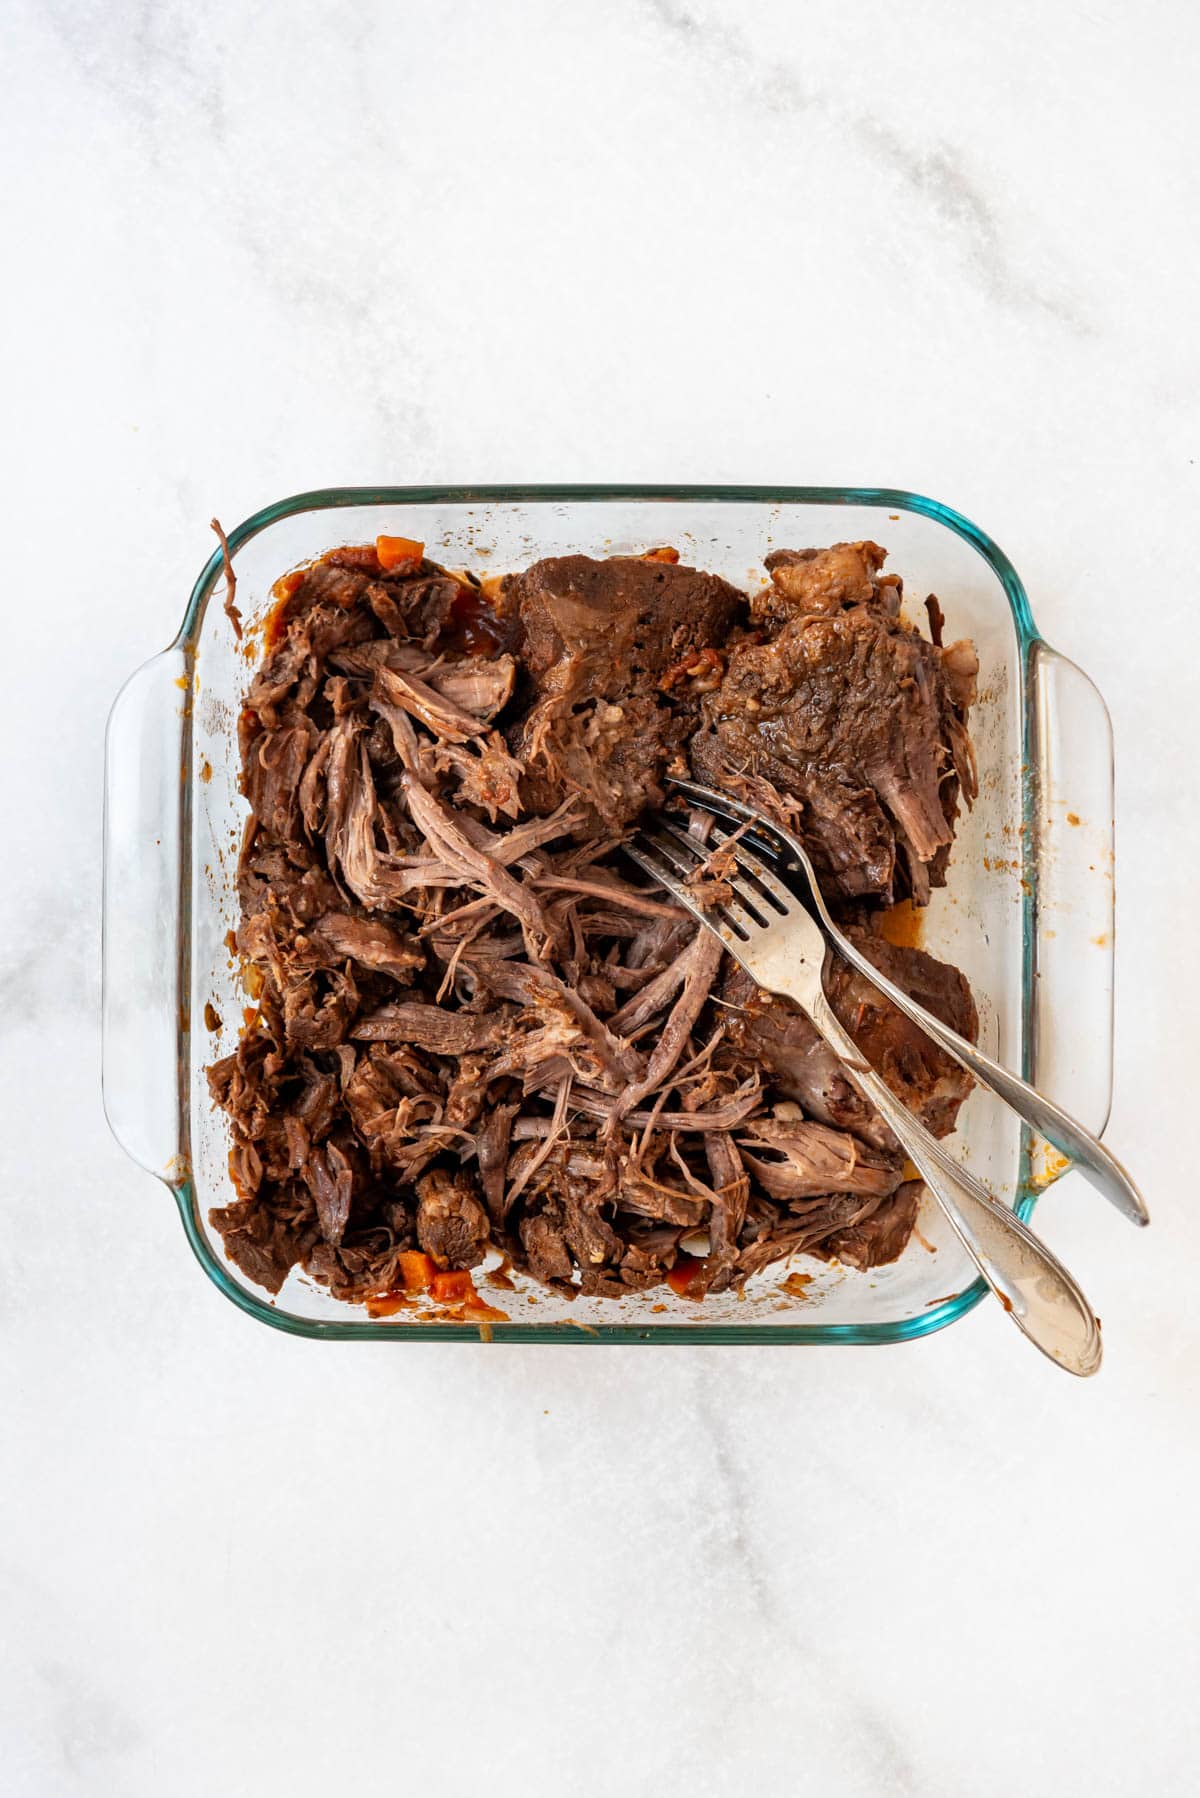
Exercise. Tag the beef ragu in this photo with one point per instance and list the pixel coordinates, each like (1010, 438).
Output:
(474, 1031)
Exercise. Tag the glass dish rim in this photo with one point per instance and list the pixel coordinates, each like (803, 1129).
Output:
(1028, 638)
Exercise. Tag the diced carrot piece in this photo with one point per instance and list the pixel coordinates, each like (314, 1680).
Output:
(399, 555)
(665, 554)
(479, 1311)
(682, 1276)
(454, 1288)
(416, 1270)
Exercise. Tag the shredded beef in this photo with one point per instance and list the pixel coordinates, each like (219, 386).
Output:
(472, 1030)
(848, 722)
(600, 638)
(452, 1225)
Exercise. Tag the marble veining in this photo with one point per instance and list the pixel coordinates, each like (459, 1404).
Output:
(935, 173)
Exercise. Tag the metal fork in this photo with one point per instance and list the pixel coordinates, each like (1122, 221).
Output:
(781, 945)
(1097, 1163)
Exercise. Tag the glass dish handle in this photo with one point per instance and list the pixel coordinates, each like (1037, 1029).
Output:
(144, 795)
(1069, 812)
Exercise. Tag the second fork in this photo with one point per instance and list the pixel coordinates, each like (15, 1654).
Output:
(780, 944)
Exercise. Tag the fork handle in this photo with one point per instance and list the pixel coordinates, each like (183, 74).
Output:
(1035, 1289)
(1098, 1165)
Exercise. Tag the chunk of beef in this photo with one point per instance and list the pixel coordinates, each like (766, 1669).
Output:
(365, 1263)
(598, 637)
(650, 1256)
(249, 1084)
(262, 1244)
(294, 667)
(610, 755)
(272, 770)
(546, 1249)
(590, 1237)
(699, 964)
(853, 716)
(930, 1083)
(772, 1030)
(426, 1026)
(731, 1184)
(663, 1199)
(452, 1225)
(486, 775)
(318, 1009)
(492, 1149)
(328, 583)
(429, 602)
(433, 709)
(372, 944)
(329, 1177)
(878, 1238)
(797, 1159)
(388, 1107)
(772, 1233)
(594, 628)
(812, 581)
(477, 685)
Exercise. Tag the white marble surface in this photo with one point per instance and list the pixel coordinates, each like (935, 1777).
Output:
(258, 249)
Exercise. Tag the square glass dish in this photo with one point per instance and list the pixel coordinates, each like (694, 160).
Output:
(1027, 914)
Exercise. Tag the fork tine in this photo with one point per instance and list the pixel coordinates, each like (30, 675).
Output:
(717, 802)
(770, 837)
(675, 847)
(666, 841)
(639, 850)
(751, 899)
(694, 848)
(765, 834)
(784, 901)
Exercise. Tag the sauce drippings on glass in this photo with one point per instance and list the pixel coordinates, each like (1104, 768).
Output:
(282, 592)
(902, 925)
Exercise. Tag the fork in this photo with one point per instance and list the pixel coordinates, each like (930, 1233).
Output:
(766, 928)
(1096, 1163)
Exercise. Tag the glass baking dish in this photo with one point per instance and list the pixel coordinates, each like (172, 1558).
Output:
(1028, 912)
